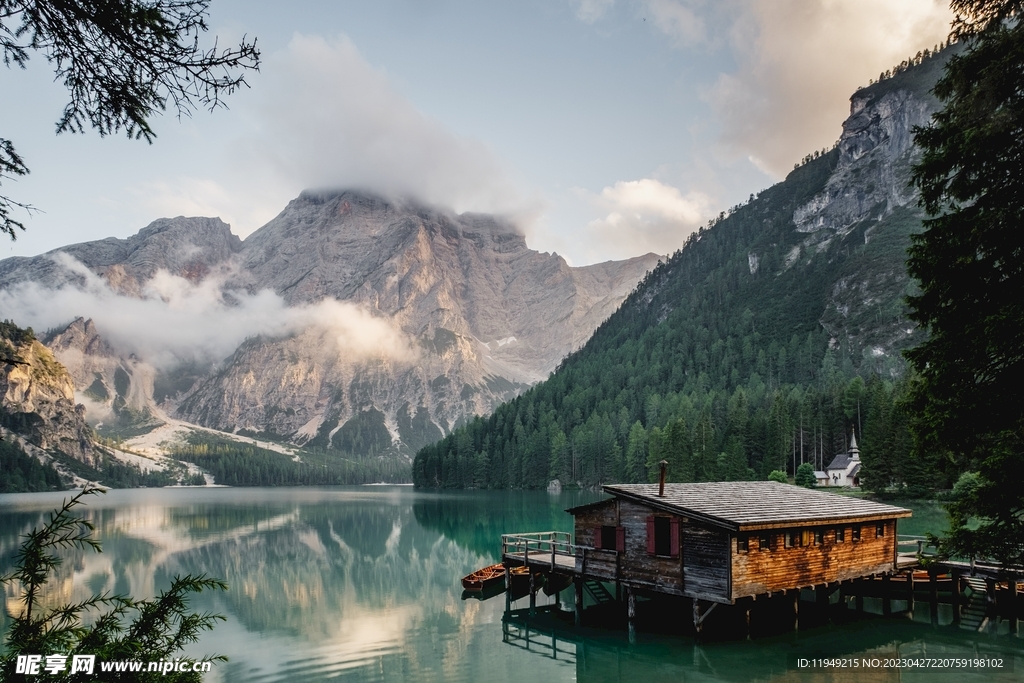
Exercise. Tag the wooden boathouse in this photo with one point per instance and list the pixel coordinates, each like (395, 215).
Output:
(716, 542)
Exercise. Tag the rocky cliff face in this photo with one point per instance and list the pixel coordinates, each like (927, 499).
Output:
(869, 193)
(475, 315)
(486, 316)
(114, 388)
(188, 247)
(37, 397)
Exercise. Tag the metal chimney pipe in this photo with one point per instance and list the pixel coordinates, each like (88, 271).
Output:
(661, 479)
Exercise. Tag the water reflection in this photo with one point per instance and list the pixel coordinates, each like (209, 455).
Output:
(362, 584)
(608, 656)
(323, 582)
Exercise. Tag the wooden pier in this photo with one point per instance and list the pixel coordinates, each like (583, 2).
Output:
(975, 594)
(741, 544)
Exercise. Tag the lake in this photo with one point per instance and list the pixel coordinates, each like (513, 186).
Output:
(362, 584)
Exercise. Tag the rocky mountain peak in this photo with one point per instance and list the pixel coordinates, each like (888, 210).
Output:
(482, 314)
(37, 398)
(187, 247)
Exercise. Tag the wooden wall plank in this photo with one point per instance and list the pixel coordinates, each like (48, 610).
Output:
(762, 571)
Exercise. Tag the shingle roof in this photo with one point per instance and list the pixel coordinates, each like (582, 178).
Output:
(840, 462)
(748, 505)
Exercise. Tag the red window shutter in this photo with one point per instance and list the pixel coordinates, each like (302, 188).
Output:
(620, 539)
(597, 537)
(674, 539)
(650, 535)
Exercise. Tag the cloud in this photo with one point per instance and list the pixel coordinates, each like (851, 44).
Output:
(798, 63)
(589, 11)
(176, 321)
(241, 205)
(646, 215)
(677, 19)
(329, 119)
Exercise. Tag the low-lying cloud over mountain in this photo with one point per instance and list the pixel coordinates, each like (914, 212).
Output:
(398, 317)
(174, 320)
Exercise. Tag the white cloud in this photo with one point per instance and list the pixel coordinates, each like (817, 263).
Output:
(175, 320)
(589, 11)
(646, 215)
(243, 207)
(330, 119)
(798, 63)
(324, 118)
(677, 19)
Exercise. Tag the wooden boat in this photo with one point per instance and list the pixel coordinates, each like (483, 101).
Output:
(481, 578)
(557, 583)
(489, 591)
(494, 575)
(521, 579)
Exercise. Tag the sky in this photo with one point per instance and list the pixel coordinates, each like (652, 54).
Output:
(604, 128)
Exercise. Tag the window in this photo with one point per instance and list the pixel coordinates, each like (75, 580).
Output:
(610, 538)
(663, 536)
(790, 538)
(840, 535)
(662, 531)
(819, 537)
(742, 543)
(764, 542)
(855, 533)
(880, 530)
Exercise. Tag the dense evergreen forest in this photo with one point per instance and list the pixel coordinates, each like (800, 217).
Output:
(239, 464)
(729, 360)
(22, 472)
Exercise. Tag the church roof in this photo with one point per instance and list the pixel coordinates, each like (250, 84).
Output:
(840, 462)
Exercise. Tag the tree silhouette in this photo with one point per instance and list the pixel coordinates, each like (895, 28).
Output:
(121, 61)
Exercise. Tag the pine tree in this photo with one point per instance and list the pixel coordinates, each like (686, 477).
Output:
(969, 262)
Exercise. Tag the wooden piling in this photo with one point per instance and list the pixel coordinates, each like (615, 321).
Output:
(631, 613)
(578, 584)
(933, 595)
(957, 594)
(886, 595)
(1012, 614)
(910, 593)
(795, 593)
(533, 595)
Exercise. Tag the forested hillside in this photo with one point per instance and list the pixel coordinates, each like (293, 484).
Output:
(763, 343)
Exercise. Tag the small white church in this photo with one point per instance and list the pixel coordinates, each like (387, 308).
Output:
(844, 470)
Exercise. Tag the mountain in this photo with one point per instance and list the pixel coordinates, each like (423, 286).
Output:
(375, 325)
(37, 397)
(189, 247)
(774, 333)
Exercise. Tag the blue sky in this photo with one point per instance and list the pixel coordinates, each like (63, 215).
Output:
(605, 128)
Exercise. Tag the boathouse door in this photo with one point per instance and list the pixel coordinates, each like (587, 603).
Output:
(705, 563)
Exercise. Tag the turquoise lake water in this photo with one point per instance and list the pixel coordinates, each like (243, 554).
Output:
(362, 584)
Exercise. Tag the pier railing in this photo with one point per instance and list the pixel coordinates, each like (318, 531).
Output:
(554, 548)
(539, 545)
(910, 549)
(913, 548)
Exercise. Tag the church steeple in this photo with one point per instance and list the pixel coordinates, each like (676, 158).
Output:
(854, 451)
